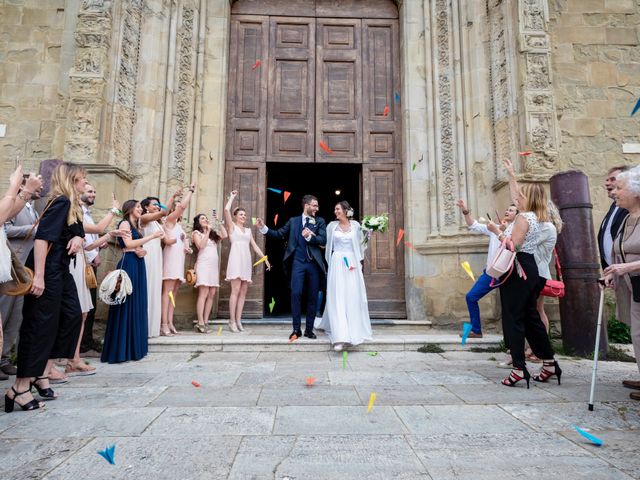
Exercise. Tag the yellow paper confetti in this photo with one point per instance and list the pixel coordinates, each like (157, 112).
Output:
(219, 331)
(173, 300)
(253, 220)
(467, 268)
(263, 259)
(372, 398)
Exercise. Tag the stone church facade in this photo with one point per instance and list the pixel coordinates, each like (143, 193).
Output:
(145, 93)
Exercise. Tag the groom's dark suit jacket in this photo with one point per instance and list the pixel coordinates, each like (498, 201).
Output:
(292, 234)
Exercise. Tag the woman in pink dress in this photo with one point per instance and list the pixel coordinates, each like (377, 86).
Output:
(176, 245)
(239, 264)
(206, 239)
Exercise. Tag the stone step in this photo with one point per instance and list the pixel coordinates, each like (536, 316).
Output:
(275, 339)
(287, 321)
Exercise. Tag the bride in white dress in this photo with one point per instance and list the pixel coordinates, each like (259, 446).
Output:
(346, 314)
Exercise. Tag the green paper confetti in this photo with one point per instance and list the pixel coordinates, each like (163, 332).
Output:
(372, 354)
(344, 360)
(413, 167)
(272, 304)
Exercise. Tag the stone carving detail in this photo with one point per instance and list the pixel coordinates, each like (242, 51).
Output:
(537, 74)
(448, 177)
(533, 14)
(184, 98)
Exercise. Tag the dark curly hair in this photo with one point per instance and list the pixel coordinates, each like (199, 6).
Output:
(197, 227)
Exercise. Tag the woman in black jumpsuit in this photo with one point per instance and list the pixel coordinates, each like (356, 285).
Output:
(51, 313)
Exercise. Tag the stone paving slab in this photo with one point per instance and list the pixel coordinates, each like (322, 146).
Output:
(95, 398)
(22, 459)
(207, 396)
(486, 394)
(369, 378)
(317, 394)
(280, 379)
(408, 395)
(206, 377)
(448, 378)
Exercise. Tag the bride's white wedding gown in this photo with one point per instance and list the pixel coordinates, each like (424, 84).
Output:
(346, 313)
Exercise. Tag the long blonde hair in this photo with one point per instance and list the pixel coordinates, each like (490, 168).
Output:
(63, 182)
(535, 200)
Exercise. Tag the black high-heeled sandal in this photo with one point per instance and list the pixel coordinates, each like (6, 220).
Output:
(545, 374)
(45, 393)
(515, 376)
(9, 402)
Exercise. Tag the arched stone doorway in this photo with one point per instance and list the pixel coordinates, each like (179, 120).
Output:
(316, 85)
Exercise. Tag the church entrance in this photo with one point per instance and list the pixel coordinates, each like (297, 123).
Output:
(313, 100)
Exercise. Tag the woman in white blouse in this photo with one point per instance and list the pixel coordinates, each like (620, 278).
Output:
(346, 314)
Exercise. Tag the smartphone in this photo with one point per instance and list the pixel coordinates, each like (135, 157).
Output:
(214, 213)
(489, 217)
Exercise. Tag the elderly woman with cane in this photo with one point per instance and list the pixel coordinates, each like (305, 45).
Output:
(624, 274)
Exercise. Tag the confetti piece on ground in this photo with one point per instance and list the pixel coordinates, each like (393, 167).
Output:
(372, 398)
(397, 97)
(275, 219)
(525, 154)
(173, 300)
(253, 220)
(344, 360)
(195, 384)
(272, 304)
(346, 262)
(400, 235)
(466, 329)
(275, 190)
(256, 65)
(108, 454)
(325, 147)
(636, 108)
(310, 381)
(410, 245)
(467, 268)
(293, 338)
(592, 438)
(386, 110)
(286, 196)
(263, 259)
(372, 354)
(219, 331)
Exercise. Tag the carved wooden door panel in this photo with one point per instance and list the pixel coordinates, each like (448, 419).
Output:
(384, 265)
(244, 177)
(247, 101)
(291, 104)
(339, 91)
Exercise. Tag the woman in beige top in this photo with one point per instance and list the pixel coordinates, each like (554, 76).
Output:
(626, 262)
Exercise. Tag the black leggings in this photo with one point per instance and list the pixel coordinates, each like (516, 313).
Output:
(520, 318)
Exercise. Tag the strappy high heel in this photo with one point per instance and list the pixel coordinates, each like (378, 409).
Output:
(165, 331)
(515, 376)
(45, 393)
(233, 328)
(200, 328)
(240, 327)
(9, 402)
(545, 373)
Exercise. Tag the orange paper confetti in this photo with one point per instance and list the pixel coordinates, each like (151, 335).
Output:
(400, 235)
(195, 384)
(525, 154)
(310, 381)
(286, 196)
(256, 65)
(386, 110)
(408, 244)
(293, 338)
(325, 147)
(275, 219)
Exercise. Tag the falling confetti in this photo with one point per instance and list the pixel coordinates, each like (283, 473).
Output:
(467, 268)
(386, 110)
(195, 384)
(346, 262)
(286, 196)
(163, 207)
(413, 167)
(275, 190)
(592, 438)
(108, 454)
(263, 259)
(525, 154)
(219, 331)
(636, 108)
(466, 329)
(253, 220)
(344, 360)
(372, 354)
(173, 300)
(310, 381)
(410, 245)
(272, 304)
(397, 97)
(256, 65)
(400, 235)
(372, 398)
(325, 147)
(293, 338)
(275, 219)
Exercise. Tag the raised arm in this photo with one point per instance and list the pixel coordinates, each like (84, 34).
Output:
(131, 243)
(465, 212)
(15, 200)
(514, 188)
(228, 218)
(104, 223)
(199, 239)
(182, 206)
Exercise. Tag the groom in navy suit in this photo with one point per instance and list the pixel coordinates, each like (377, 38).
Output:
(304, 234)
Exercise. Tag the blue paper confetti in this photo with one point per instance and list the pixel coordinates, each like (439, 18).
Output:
(163, 207)
(466, 329)
(275, 190)
(636, 108)
(346, 262)
(593, 439)
(397, 97)
(108, 454)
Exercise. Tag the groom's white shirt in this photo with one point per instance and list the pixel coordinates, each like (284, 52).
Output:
(265, 229)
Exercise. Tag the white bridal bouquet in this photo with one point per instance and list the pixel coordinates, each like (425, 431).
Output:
(374, 223)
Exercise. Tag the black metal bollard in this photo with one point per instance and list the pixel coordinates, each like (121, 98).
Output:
(578, 251)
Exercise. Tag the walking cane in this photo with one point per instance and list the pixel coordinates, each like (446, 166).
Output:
(597, 346)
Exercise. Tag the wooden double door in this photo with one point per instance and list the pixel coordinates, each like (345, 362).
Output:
(310, 90)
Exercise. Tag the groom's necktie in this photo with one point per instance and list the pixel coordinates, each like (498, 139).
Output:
(306, 244)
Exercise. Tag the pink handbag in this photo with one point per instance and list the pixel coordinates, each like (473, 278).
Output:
(503, 261)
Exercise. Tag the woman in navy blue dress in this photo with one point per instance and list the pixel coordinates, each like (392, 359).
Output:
(127, 327)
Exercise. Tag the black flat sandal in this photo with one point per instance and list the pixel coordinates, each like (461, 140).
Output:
(45, 393)
(10, 402)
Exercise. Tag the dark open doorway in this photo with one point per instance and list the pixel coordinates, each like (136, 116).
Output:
(331, 183)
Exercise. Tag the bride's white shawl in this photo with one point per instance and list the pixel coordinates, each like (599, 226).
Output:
(358, 246)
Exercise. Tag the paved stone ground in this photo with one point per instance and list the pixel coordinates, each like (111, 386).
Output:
(438, 416)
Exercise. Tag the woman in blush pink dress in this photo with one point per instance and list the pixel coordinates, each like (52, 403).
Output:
(176, 246)
(239, 264)
(207, 267)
